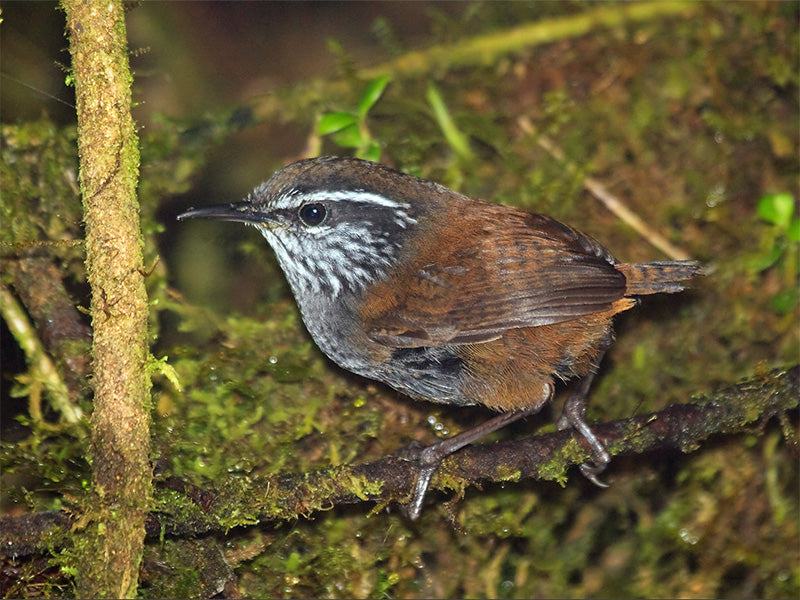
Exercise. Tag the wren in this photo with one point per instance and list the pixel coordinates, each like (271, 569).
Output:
(446, 298)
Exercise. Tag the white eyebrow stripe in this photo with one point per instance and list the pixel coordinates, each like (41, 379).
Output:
(352, 196)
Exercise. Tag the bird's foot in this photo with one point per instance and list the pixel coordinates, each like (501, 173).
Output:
(573, 417)
(429, 458)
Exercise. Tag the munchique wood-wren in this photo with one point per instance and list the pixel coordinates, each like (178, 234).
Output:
(445, 298)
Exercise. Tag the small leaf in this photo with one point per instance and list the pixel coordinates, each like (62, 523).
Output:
(784, 301)
(457, 140)
(69, 570)
(333, 122)
(293, 562)
(793, 232)
(349, 137)
(372, 94)
(160, 365)
(765, 261)
(777, 209)
(371, 152)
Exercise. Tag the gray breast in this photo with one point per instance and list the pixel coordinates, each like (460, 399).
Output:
(426, 373)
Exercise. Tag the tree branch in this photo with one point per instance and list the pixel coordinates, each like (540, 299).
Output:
(59, 331)
(42, 367)
(682, 426)
(113, 539)
(486, 49)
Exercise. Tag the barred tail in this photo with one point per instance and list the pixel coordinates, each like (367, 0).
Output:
(658, 277)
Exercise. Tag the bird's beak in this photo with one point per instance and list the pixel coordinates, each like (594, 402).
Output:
(243, 212)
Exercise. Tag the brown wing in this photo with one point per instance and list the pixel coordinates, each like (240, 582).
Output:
(528, 272)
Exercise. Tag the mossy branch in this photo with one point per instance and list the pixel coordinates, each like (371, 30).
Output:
(43, 370)
(484, 49)
(51, 331)
(488, 48)
(736, 409)
(111, 545)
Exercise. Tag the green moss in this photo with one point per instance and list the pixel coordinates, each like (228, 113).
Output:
(40, 202)
(690, 121)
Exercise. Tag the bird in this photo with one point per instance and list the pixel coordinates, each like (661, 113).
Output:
(446, 298)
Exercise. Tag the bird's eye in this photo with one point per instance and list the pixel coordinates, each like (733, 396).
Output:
(312, 214)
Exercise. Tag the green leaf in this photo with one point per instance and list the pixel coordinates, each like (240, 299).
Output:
(784, 301)
(293, 562)
(69, 570)
(371, 152)
(372, 94)
(160, 365)
(333, 122)
(765, 261)
(793, 232)
(457, 140)
(349, 137)
(777, 209)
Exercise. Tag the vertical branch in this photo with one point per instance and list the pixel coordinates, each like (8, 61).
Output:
(109, 161)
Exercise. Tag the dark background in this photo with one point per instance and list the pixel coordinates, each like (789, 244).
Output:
(689, 120)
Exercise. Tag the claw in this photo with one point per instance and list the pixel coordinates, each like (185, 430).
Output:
(591, 472)
(573, 416)
(429, 458)
(414, 508)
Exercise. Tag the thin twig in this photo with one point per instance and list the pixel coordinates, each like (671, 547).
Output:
(41, 365)
(611, 202)
(626, 215)
(488, 48)
(477, 50)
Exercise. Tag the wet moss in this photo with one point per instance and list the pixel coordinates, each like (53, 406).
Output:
(690, 121)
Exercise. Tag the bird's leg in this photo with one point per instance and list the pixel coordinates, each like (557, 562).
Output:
(574, 416)
(430, 457)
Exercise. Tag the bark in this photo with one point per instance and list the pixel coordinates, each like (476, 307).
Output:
(113, 526)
